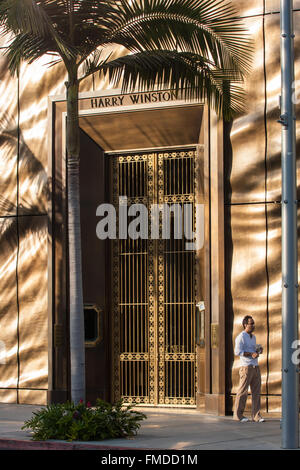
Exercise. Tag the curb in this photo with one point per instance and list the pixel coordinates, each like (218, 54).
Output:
(17, 444)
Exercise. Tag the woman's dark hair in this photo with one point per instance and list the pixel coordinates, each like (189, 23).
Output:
(245, 320)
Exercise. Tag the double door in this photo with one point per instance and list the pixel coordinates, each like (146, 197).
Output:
(153, 278)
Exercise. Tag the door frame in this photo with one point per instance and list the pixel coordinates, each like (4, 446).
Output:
(58, 335)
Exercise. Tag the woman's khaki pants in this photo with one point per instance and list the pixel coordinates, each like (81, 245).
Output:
(249, 376)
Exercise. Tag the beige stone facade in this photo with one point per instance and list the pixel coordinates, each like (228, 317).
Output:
(243, 263)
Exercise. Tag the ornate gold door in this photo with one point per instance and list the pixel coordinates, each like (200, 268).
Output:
(153, 282)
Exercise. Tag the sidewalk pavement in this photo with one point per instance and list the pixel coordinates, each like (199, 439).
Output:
(173, 429)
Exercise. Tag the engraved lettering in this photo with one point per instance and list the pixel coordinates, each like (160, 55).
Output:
(94, 103)
(135, 98)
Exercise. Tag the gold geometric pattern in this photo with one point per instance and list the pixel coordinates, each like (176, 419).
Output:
(153, 287)
(177, 358)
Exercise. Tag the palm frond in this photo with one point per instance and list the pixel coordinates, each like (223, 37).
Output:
(209, 28)
(198, 44)
(26, 16)
(188, 73)
(94, 62)
(30, 17)
(28, 48)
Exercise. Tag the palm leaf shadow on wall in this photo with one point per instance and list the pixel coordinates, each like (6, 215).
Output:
(23, 258)
(16, 153)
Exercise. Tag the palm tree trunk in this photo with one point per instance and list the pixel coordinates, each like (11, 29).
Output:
(77, 347)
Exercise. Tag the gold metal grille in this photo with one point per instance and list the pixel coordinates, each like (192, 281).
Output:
(154, 287)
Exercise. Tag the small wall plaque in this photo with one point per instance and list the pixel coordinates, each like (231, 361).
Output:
(93, 328)
(214, 338)
(58, 335)
(200, 324)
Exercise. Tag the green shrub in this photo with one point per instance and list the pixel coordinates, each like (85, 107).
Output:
(82, 422)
